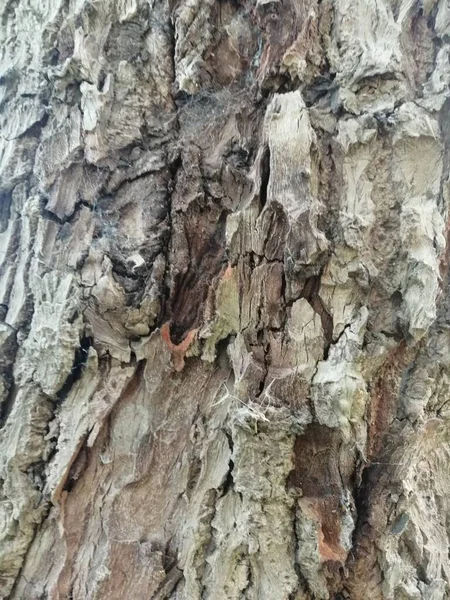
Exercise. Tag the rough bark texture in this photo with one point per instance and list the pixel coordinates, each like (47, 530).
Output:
(225, 308)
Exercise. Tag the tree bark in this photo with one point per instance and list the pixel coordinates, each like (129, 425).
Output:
(224, 301)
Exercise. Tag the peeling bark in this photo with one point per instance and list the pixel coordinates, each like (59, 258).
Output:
(224, 308)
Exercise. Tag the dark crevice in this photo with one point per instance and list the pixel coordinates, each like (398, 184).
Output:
(174, 168)
(169, 560)
(5, 209)
(191, 288)
(261, 386)
(36, 128)
(222, 349)
(122, 271)
(229, 481)
(8, 403)
(283, 289)
(300, 579)
(77, 467)
(3, 312)
(129, 172)
(311, 288)
(265, 176)
(79, 363)
(169, 584)
(237, 156)
(250, 577)
(310, 293)
(101, 80)
(322, 87)
(362, 497)
(51, 216)
(327, 324)
(261, 338)
(334, 341)
(33, 131)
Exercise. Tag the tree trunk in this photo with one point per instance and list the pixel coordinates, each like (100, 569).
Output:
(225, 342)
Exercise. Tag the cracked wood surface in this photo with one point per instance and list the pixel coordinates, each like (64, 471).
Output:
(224, 305)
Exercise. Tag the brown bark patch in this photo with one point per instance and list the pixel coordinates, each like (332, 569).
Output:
(384, 397)
(178, 350)
(200, 237)
(317, 477)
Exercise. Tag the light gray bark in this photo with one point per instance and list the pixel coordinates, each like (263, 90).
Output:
(225, 344)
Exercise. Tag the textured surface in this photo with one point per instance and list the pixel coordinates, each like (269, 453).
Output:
(225, 343)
